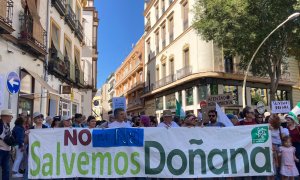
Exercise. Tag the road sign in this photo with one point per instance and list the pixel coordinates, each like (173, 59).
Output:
(203, 104)
(13, 83)
(222, 100)
(260, 107)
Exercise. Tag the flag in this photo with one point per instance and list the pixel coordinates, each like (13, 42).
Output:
(222, 116)
(179, 111)
(295, 112)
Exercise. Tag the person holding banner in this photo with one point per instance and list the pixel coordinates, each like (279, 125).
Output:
(120, 117)
(167, 120)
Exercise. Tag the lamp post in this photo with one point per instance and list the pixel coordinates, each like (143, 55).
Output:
(293, 16)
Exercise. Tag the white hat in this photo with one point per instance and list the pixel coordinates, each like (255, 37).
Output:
(65, 118)
(6, 112)
(36, 114)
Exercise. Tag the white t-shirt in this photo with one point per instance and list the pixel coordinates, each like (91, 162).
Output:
(276, 137)
(117, 124)
(173, 124)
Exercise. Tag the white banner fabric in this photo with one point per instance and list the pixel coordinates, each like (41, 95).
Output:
(150, 152)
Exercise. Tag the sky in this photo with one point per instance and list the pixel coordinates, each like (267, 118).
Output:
(121, 24)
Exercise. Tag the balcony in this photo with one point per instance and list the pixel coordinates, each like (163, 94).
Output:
(148, 89)
(110, 89)
(57, 65)
(59, 6)
(70, 70)
(170, 78)
(70, 17)
(148, 25)
(181, 73)
(164, 81)
(32, 35)
(6, 12)
(79, 30)
(135, 103)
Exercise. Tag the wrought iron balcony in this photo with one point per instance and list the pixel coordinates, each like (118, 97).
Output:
(181, 73)
(135, 103)
(6, 13)
(170, 78)
(32, 35)
(57, 65)
(79, 30)
(59, 6)
(70, 17)
(148, 89)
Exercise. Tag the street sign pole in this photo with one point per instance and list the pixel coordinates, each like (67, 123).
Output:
(9, 101)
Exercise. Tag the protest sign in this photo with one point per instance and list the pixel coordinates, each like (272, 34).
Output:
(119, 102)
(281, 106)
(221, 99)
(150, 152)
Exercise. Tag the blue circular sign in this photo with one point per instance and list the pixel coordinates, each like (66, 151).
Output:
(13, 83)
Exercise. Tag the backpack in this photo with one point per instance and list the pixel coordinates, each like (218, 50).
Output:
(9, 139)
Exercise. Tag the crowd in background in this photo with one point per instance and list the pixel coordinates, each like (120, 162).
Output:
(285, 133)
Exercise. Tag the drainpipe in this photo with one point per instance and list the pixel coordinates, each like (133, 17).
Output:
(45, 91)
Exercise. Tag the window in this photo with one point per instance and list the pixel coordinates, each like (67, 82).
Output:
(171, 101)
(171, 29)
(234, 91)
(74, 109)
(172, 70)
(55, 36)
(213, 89)
(257, 95)
(185, 11)
(159, 103)
(163, 70)
(186, 60)
(189, 97)
(170, 2)
(68, 48)
(141, 76)
(27, 83)
(281, 95)
(202, 92)
(157, 73)
(156, 12)
(163, 35)
(162, 6)
(157, 41)
(228, 64)
(148, 50)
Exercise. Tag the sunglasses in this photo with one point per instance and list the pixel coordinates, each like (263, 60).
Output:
(211, 115)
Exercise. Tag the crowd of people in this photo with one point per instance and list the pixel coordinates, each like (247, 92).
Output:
(285, 133)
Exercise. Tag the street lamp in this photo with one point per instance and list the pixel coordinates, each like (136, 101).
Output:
(293, 16)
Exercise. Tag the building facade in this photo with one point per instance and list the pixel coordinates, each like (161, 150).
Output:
(43, 41)
(179, 65)
(111, 81)
(130, 79)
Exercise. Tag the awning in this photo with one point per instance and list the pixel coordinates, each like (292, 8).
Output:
(41, 81)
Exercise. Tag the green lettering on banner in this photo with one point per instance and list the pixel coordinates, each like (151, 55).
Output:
(160, 167)
(224, 168)
(266, 152)
(192, 155)
(135, 163)
(177, 152)
(233, 154)
(48, 165)
(35, 158)
(116, 163)
(82, 162)
(102, 158)
(69, 167)
(58, 159)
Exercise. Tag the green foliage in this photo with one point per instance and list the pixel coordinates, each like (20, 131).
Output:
(241, 25)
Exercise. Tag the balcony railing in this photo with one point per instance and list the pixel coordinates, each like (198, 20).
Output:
(164, 81)
(56, 65)
(32, 35)
(59, 6)
(170, 78)
(79, 30)
(70, 17)
(148, 89)
(6, 13)
(181, 73)
(135, 102)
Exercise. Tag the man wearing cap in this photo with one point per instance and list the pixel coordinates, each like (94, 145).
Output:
(120, 117)
(66, 121)
(6, 117)
(38, 120)
(168, 120)
(77, 121)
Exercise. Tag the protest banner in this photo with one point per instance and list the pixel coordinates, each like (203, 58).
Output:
(150, 152)
(221, 99)
(281, 106)
(119, 102)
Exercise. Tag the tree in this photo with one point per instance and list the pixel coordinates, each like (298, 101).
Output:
(239, 26)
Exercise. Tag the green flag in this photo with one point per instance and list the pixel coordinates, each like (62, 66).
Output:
(179, 111)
